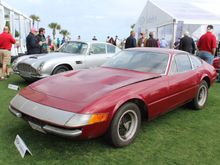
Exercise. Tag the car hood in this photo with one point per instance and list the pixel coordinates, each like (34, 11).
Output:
(37, 59)
(86, 86)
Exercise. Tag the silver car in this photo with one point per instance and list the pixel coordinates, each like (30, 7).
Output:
(72, 55)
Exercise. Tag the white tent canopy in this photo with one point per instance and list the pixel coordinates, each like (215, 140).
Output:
(18, 22)
(170, 18)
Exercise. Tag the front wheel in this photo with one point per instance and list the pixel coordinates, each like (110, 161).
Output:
(201, 97)
(125, 125)
(60, 69)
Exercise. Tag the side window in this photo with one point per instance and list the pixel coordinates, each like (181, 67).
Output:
(196, 61)
(183, 63)
(173, 68)
(110, 49)
(98, 49)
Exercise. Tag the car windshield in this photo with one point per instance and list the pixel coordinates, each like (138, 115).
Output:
(74, 47)
(143, 61)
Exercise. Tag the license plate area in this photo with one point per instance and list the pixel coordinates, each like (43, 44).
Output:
(36, 127)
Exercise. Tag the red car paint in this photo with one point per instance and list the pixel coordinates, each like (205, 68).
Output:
(104, 90)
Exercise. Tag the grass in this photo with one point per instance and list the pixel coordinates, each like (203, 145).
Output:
(181, 137)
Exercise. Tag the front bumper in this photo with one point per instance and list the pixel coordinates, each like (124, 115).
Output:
(46, 128)
(29, 75)
(44, 118)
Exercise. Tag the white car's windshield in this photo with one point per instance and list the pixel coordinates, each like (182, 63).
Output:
(142, 61)
(74, 47)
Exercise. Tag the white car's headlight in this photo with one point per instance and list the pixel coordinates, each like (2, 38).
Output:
(14, 63)
(39, 69)
(78, 120)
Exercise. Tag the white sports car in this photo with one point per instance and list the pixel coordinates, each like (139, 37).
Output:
(72, 55)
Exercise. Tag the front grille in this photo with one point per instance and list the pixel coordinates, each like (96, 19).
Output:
(26, 68)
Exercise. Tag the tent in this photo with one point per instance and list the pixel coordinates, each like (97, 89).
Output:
(169, 19)
(19, 23)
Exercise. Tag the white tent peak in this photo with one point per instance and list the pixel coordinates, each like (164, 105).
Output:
(193, 11)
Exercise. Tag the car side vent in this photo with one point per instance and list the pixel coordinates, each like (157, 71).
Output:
(35, 57)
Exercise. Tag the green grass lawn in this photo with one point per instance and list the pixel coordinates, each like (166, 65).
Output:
(181, 137)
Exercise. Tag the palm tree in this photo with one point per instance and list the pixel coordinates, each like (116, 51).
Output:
(54, 26)
(132, 26)
(35, 18)
(65, 33)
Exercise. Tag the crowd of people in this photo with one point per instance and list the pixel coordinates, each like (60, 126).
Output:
(37, 43)
(206, 45)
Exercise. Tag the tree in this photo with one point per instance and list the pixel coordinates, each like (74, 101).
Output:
(35, 18)
(54, 26)
(65, 33)
(17, 34)
(132, 26)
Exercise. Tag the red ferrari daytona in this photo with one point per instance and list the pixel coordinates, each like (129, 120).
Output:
(136, 84)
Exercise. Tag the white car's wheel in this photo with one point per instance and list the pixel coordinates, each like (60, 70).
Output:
(60, 69)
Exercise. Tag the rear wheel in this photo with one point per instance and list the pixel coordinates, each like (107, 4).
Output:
(201, 97)
(125, 125)
(60, 69)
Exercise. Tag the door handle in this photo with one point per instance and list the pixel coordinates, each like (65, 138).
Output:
(79, 62)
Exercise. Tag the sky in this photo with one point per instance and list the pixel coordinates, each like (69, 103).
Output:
(87, 18)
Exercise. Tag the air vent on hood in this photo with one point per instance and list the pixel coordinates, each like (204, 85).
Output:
(35, 57)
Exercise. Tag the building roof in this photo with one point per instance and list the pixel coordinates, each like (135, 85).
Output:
(191, 12)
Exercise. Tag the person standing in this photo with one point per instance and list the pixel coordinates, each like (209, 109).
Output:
(207, 45)
(176, 44)
(32, 43)
(151, 42)
(58, 43)
(187, 43)
(142, 40)
(111, 41)
(116, 41)
(94, 38)
(79, 38)
(42, 38)
(6, 41)
(163, 43)
(107, 39)
(130, 41)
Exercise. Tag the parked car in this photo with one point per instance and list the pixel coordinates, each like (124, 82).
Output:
(138, 83)
(216, 63)
(71, 56)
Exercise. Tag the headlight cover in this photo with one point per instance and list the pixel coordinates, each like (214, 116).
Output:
(78, 120)
(39, 69)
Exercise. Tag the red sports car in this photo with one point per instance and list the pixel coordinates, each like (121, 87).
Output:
(136, 84)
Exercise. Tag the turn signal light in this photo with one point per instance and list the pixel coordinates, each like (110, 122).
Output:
(97, 118)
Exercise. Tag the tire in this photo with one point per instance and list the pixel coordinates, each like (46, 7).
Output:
(60, 69)
(125, 125)
(201, 97)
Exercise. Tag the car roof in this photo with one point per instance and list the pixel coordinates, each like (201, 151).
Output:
(158, 50)
(90, 42)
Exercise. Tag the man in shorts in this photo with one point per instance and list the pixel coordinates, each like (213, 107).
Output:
(6, 41)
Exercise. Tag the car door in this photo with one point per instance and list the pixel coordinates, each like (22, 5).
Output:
(75, 54)
(97, 55)
(183, 80)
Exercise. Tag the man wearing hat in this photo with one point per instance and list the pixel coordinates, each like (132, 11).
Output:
(207, 45)
(32, 42)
